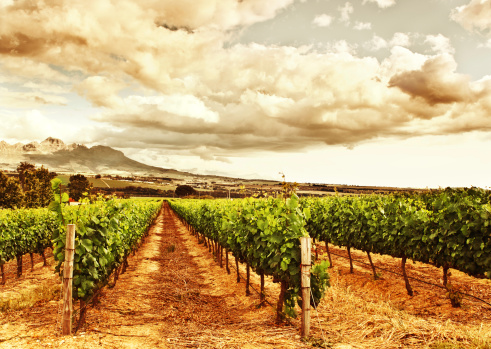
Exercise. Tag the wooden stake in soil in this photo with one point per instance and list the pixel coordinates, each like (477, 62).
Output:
(220, 248)
(67, 280)
(248, 291)
(408, 286)
(350, 260)
(3, 275)
(305, 245)
(237, 268)
(281, 300)
(375, 277)
(19, 266)
(328, 253)
(32, 261)
(44, 259)
(445, 275)
(226, 261)
(263, 296)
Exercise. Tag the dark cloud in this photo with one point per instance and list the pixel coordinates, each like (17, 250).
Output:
(436, 82)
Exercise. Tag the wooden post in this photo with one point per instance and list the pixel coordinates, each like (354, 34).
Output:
(445, 275)
(226, 260)
(44, 259)
(350, 260)
(32, 261)
(67, 280)
(3, 274)
(237, 268)
(263, 296)
(305, 245)
(328, 253)
(248, 292)
(19, 266)
(375, 277)
(406, 280)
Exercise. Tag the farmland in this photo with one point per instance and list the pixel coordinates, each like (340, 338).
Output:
(176, 283)
(175, 295)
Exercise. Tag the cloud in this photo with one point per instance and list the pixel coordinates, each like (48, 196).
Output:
(28, 126)
(476, 15)
(101, 91)
(164, 77)
(436, 82)
(400, 39)
(377, 43)
(381, 3)
(16, 99)
(440, 44)
(346, 12)
(323, 20)
(362, 26)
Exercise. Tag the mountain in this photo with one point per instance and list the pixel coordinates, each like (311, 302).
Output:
(77, 158)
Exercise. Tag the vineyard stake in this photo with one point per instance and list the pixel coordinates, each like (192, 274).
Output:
(306, 250)
(350, 260)
(328, 253)
(445, 275)
(3, 275)
(226, 260)
(67, 280)
(406, 280)
(248, 292)
(375, 277)
(44, 259)
(237, 268)
(19, 266)
(263, 296)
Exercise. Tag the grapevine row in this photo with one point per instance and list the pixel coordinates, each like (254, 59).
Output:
(262, 233)
(449, 228)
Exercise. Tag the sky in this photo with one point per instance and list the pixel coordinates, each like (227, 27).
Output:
(360, 92)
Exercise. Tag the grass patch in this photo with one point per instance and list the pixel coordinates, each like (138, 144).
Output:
(47, 291)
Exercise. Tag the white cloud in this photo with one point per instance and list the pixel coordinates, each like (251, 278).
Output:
(486, 44)
(323, 20)
(381, 3)
(346, 12)
(377, 43)
(362, 26)
(28, 126)
(440, 44)
(35, 99)
(474, 15)
(400, 39)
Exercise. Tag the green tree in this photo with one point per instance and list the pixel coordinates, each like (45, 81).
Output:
(23, 168)
(79, 184)
(11, 195)
(31, 189)
(184, 190)
(37, 186)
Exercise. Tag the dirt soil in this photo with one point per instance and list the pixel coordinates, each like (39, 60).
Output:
(174, 295)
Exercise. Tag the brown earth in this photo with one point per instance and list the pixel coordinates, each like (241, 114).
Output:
(174, 295)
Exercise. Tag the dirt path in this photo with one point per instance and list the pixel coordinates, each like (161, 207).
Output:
(173, 295)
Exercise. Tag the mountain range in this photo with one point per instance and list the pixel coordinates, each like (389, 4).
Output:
(57, 156)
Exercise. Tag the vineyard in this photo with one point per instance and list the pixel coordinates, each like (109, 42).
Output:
(446, 230)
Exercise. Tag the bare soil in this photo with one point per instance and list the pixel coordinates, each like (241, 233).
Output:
(175, 295)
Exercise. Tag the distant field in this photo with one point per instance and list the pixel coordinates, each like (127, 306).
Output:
(114, 183)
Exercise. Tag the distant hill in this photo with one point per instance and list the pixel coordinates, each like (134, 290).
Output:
(77, 158)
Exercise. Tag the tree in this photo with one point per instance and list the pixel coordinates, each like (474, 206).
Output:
(44, 189)
(23, 168)
(79, 184)
(36, 185)
(11, 195)
(184, 190)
